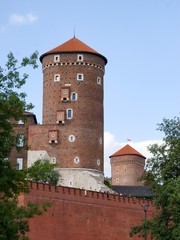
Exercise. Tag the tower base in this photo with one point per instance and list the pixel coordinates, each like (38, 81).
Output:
(88, 179)
(83, 178)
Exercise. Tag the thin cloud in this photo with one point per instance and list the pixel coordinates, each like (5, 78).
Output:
(17, 19)
(111, 145)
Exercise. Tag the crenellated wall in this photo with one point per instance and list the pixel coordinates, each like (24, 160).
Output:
(80, 214)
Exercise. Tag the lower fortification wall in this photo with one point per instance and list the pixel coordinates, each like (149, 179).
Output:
(83, 215)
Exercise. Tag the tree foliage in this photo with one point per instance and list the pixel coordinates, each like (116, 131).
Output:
(13, 221)
(107, 182)
(12, 100)
(43, 171)
(13, 218)
(163, 175)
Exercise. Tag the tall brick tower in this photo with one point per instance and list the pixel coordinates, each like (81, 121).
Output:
(127, 165)
(72, 131)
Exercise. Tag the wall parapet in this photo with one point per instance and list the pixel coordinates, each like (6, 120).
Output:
(45, 189)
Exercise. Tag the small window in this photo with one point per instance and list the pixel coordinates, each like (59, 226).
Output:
(56, 77)
(80, 77)
(19, 163)
(98, 162)
(69, 113)
(98, 80)
(57, 58)
(20, 122)
(53, 160)
(117, 179)
(72, 138)
(74, 96)
(76, 160)
(20, 140)
(79, 57)
(100, 141)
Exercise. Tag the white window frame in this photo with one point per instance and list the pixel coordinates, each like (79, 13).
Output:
(57, 77)
(76, 160)
(67, 113)
(71, 138)
(56, 58)
(20, 122)
(99, 80)
(80, 76)
(98, 162)
(80, 57)
(19, 162)
(74, 96)
(53, 160)
(20, 142)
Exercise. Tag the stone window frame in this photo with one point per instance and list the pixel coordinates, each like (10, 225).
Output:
(19, 163)
(20, 122)
(99, 81)
(20, 140)
(74, 96)
(57, 77)
(80, 57)
(69, 113)
(98, 162)
(80, 76)
(57, 58)
(76, 160)
(71, 138)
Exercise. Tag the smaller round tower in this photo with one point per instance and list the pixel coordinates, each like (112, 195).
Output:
(127, 165)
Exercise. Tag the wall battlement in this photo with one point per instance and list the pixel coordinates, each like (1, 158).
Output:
(59, 191)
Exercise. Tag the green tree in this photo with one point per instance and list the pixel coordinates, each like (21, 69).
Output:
(163, 175)
(107, 182)
(43, 171)
(13, 218)
(12, 101)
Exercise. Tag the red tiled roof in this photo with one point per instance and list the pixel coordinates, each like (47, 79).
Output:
(127, 150)
(73, 45)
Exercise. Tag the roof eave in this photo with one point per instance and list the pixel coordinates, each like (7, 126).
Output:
(59, 52)
(117, 155)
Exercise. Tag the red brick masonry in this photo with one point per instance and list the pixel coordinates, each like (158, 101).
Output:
(83, 215)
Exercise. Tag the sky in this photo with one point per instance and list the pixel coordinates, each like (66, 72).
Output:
(140, 39)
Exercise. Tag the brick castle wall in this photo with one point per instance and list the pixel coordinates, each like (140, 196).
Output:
(87, 215)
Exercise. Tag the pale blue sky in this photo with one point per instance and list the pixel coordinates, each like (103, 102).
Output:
(140, 39)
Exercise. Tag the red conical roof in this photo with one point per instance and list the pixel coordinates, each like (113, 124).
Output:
(71, 46)
(127, 150)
